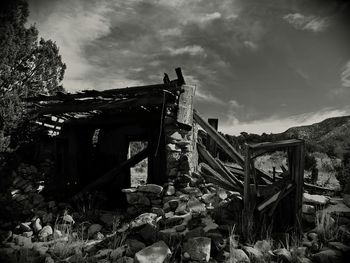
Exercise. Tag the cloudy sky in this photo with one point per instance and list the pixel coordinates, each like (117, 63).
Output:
(259, 66)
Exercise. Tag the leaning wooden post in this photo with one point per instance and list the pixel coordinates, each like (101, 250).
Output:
(299, 181)
(247, 212)
(211, 144)
(185, 109)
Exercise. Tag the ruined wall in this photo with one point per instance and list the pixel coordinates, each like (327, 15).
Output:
(181, 152)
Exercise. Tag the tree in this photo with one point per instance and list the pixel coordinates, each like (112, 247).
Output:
(28, 66)
(310, 162)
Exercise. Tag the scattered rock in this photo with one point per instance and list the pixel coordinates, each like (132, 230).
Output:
(27, 234)
(209, 224)
(68, 219)
(23, 241)
(308, 209)
(222, 194)
(146, 218)
(170, 190)
(98, 236)
(25, 227)
(194, 205)
(45, 232)
(57, 233)
(157, 253)
(263, 246)
(118, 253)
(238, 256)
(37, 225)
(198, 248)
(150, 188)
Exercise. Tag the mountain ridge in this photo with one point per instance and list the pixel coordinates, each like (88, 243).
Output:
(331, 136)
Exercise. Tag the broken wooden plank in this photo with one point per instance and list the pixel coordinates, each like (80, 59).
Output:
(219, 139)
(319, 188)
(208, 171)
(275, 145)
(268, 190)
(185, 108)
(216, 166)
(271, 200)
(238, 182)
(211, 144)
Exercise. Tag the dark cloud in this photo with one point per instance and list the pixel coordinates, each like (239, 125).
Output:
(258, 54)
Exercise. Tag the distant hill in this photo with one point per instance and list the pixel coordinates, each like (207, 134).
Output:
(330, 136)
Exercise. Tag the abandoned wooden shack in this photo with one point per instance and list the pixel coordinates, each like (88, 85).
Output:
(94, 130)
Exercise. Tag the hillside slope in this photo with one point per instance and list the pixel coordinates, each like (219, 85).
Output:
(331, 135)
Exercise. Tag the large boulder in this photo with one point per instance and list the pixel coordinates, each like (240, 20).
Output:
(315, 199)
(157, 253)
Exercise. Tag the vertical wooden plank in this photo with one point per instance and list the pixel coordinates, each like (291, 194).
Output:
(247, 177)
(185, 111)
(247, 211)
(299, 184)
(211, 144)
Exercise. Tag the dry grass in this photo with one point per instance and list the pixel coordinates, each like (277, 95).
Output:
(326, 227)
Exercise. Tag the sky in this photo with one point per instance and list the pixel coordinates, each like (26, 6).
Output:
(258, 66)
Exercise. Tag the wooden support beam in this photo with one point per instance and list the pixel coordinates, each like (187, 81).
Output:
(185, 112)
(247, 172)
(216, 166)
(211, 144)
(216, 178)
(219, 139)
(237, 181)
(299, 181)
(110, 175)
(275, 145)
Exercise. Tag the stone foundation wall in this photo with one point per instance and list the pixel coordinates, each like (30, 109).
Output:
(181, 151)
